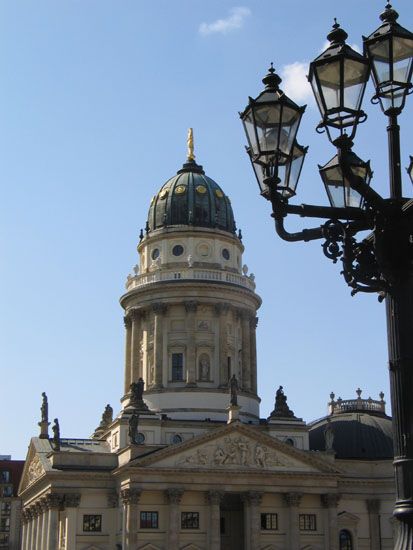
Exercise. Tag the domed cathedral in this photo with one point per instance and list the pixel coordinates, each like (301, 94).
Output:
(190, 310)
(188, 463)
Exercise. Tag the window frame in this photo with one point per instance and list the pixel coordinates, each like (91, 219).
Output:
(305, 522)
(92, 529)
(153, 519)
(189, 520)
(174, 355)
(264, 521)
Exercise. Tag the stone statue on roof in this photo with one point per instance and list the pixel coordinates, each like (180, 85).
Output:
(281, 408)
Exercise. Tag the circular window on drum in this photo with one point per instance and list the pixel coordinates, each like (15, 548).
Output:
(203, 250)
(225, 254)
(176, 438)
(155, 253)
(178, 250)
(140, 438)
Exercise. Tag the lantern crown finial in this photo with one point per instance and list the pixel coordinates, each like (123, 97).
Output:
(389, 15)
(337, 35)
(271, 79)
(190, 143)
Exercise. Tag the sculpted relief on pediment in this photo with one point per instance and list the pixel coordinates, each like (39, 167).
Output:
(234, 451)
(35, 469)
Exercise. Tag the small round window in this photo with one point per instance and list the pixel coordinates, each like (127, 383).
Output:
(140, 438)
(176, 438)
(155, 253)
(178, 250)
(225, 253)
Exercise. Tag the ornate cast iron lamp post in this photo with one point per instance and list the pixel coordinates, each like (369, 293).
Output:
(382, 262)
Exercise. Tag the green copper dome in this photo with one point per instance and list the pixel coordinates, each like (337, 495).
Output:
(191, 198)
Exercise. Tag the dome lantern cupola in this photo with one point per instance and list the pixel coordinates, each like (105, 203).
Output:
(190, 198)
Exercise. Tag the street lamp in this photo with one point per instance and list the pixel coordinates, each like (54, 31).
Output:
(382, 262)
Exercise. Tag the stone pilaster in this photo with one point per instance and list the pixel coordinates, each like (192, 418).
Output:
(293, 531)
(44, 522)
(130, 498)
(71, 502)
(253, 351)
(25, 529)
(173, 498)
(113, 504)
(246, 350)
(53, 503)
(128, 328)
(190, 307)
(31, 528)
(37, 512)
(221, 311)
(159, 310)
(330, 503)
(373, 508)
(214, 498)
(136, 342)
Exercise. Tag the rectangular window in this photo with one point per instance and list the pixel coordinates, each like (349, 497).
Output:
(4, 538)
(8, 491)
(177, 367)
(4, 525)
(269, 522)
(5, 508)
(5, 476)
(92, 523)
(190, 520)
(308, 522)
(149, 520)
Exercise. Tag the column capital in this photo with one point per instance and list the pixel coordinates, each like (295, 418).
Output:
(330, 500)
(35, 510)
(159, 308)
(252, 497)
(293, 499)
(130, 495)
(253, 321)
(71, 500)
(191, 306)
(127, 321)
(135, 314)
(214, 497)
(373, 505)
(113, 500)
(54, 500)
(174, 495)
(221, 308)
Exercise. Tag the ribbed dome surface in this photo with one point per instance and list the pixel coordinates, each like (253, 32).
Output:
(191, 198)
(357, 435)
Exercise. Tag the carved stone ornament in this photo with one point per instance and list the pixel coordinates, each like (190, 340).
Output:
(35, 469)
(235, 452)
(191, 306)
(174, 496)
(214, 497)
(71, 500)
(252, 497)
(221, 308)
(54, 500)
(130, 495)
(135, 314)
(293, 499)
(159, 308)
(113, 500)
(330, 500)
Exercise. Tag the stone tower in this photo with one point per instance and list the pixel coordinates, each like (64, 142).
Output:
(190, 308)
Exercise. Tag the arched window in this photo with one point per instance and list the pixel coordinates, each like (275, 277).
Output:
(346, 542)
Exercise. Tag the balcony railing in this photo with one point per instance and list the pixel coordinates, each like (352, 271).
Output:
(188, 274)
(357, 404)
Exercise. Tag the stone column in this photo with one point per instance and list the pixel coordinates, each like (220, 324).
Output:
(221, 311)
(127, 379)
(173, 498)
(71, 502)
(136, 342)
(252, 501)
(190, 362)
(330, 503)
(130, 498)
(159, 309)
(246, 350)
(293, 532)
(253, 350)
(113, 504)
(53, 503)
(24, 529)
(31, 529)
(35, 527)
(214, 498)
(373, 507)
(44, 521)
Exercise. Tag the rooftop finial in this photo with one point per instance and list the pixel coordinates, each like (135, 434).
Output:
(190, 143)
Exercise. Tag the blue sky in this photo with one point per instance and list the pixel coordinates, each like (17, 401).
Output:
(95, 102)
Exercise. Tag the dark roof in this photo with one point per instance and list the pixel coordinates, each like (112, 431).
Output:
(357, 435)
(191, 198)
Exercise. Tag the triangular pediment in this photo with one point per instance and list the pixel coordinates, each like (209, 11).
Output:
(36, 464)
(234, 447)
(149, 547)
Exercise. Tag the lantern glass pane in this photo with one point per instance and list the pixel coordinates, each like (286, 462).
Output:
(316, 92)
(355, 78)
(250, 132)
(330, 82)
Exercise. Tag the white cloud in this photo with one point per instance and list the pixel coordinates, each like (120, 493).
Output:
(234, 21)
(295, 83)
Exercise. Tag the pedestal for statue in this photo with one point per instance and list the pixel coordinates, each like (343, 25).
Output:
(233, 413)
(44, 429)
